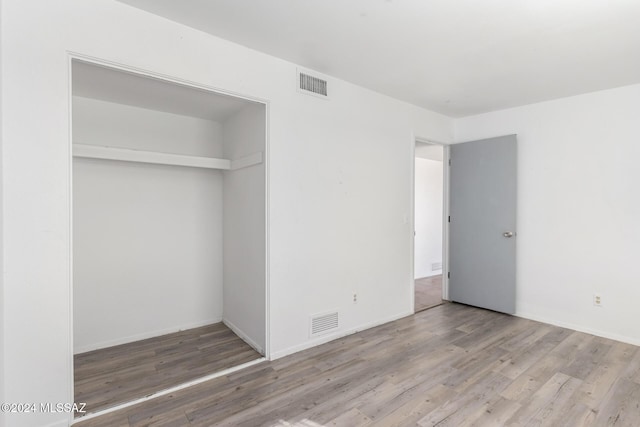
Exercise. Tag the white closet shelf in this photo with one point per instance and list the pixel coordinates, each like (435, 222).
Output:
(139, 156)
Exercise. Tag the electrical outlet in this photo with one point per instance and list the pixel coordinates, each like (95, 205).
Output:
(355, 298)
(597, 300)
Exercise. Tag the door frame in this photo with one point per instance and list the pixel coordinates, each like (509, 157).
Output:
(445, 216)
(76, 56)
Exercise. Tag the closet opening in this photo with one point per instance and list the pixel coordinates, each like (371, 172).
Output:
(169, 233)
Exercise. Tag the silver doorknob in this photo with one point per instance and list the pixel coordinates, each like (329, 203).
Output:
(508, 234)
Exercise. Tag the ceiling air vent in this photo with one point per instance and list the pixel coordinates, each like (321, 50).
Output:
(312, 85)
(323, 323)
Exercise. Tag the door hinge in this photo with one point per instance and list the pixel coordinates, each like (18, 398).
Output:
(449, 219)
(449, 162)
(448, 275)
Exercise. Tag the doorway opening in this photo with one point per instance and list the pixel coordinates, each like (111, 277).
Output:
(429, 224)
(169, 233)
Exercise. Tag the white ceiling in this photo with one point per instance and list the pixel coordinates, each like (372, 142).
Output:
(111, 85)
(457, 57)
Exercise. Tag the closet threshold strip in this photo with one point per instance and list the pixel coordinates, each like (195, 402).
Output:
(167, 391)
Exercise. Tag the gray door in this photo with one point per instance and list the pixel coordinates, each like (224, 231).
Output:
(482, 232)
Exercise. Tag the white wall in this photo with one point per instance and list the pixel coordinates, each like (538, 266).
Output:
(428, 216)
(106, 123)
(429, 151)
(2, 378)
(578, 208)
(339, 196)
(147, 238)
(244, 228)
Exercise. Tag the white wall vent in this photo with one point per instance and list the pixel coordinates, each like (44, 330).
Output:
(312, 85)
(436, 266)
(323, 323)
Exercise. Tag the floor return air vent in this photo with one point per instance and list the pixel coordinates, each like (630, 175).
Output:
(323, 323)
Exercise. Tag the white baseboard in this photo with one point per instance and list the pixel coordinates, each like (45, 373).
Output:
(246, 338)
(337, 335)
(579, 328)
(145, 335)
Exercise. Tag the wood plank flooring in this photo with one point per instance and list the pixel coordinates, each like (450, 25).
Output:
(452, 365)
(109, 376)
(428, 292)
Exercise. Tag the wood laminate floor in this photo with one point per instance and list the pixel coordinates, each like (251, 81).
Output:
(428, 292)
(452, 365)
(109, 376)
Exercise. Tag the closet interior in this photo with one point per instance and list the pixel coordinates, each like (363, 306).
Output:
(169, 233)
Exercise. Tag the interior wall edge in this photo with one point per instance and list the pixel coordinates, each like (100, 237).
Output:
(2, 298)
(245, 337)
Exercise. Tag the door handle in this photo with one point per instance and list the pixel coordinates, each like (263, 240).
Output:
(508, 234)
